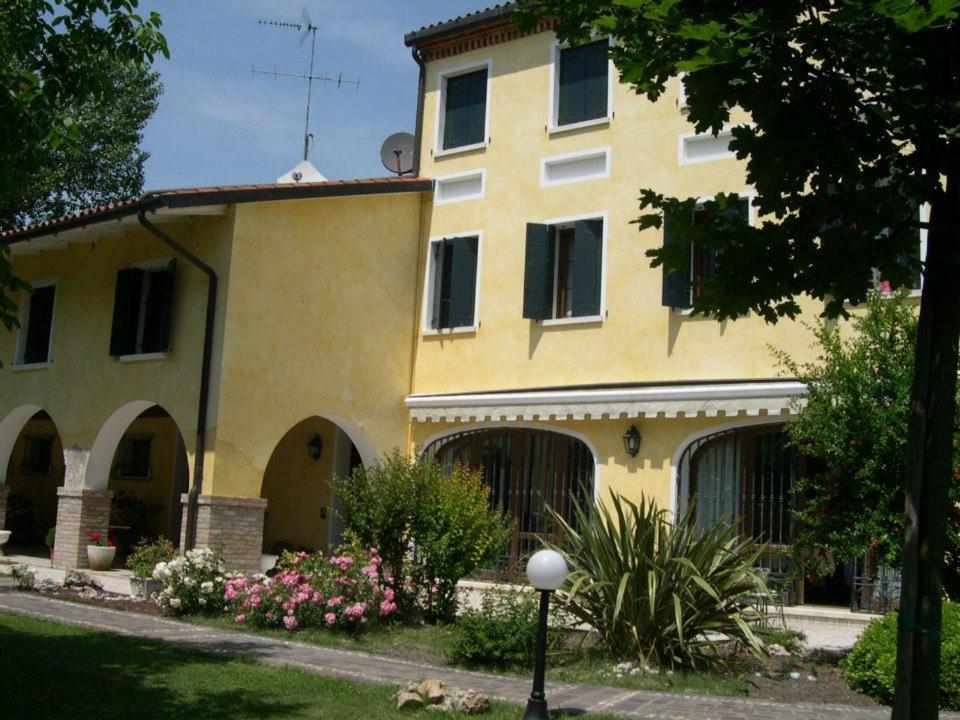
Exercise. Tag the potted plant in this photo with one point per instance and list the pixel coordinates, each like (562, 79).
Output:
(142, 562)
(100, 551)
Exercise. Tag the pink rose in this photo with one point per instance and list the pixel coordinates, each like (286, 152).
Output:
(240, 619)
(330, 619)
(289, 622)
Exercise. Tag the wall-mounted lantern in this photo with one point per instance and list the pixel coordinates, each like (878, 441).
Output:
(315, 447)
(631, 441)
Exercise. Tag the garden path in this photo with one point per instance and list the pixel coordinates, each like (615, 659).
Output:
(374, 669)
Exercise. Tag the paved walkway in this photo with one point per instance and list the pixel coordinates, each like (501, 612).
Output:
(374, 669)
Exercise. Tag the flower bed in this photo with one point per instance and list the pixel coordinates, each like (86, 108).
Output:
(192, 583)
(340, 591)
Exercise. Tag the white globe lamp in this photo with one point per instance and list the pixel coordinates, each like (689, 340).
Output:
(546, 570)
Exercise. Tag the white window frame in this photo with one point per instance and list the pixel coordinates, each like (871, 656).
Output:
(561, 222)
(727, 154)
(442, 77)
(440, 179)
(26, 301)
(148, 266)
(924, 217)
(605, 152)
(749, 196)
(428, 286)
(554, 95)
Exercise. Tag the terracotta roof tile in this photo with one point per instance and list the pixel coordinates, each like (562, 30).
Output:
(460, 22)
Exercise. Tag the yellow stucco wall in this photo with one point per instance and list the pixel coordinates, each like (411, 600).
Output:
(297, 489)
(83, 386)
(639, 340)
(319, 322)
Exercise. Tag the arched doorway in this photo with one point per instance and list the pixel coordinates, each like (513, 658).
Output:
(301, 510)
(147, 473)
(529, 471)
(34, 469)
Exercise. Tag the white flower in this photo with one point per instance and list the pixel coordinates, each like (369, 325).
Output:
(202, 601)
(175, 603)
(206, 587)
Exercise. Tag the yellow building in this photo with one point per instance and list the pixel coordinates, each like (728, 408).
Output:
(496, 308)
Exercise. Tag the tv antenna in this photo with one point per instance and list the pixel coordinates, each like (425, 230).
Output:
(306, 28)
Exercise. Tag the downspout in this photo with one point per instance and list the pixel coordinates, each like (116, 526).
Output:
(421, 92)
(190, 531)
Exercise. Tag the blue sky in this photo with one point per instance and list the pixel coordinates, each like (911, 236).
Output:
(216, 124)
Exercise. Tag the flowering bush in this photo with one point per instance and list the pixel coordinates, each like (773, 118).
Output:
(192, 583)
(100, 540)
(340, 591)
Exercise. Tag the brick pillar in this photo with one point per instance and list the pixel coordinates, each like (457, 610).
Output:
(80, 511)
(4, 492)
(234, 523)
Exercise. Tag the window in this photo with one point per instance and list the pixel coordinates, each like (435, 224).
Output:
(575, 167)
(463, 119)
(705, 147)
(36, 325)
(452, 283)
(582, 84)
(142, 310)
(913, 261)
(37, 456)
(133, 458)
(682, 287)
(468, 185)
(563, 276)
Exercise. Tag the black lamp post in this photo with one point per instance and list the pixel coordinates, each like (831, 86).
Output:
(546, 571)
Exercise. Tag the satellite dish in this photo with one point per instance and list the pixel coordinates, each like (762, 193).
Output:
(396, 153)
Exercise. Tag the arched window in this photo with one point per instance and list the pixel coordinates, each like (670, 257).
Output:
(527, 471)
(745, 477)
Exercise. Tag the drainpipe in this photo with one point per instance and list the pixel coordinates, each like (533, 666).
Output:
(190, 531)
(421, 92)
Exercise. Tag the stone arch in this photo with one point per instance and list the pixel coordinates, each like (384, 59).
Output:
(10, 428)
(97, 472)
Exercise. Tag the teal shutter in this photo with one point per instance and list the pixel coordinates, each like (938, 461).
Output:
(538, 272)
(158, 314)
(39, 324)
(586, 270)
(465, 112)
(438, 250)
(463, 281)
(126, 312)
(583, 83)
(676, 284)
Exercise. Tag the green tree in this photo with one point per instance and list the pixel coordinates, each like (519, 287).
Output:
(106, 163)
(854, 110)
(853, 425)
(55, 59)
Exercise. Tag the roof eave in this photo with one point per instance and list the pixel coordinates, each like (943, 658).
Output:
(461, 24)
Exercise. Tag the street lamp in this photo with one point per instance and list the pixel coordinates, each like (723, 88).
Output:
(546, 571)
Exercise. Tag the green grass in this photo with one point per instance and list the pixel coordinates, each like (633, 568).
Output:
(56, 672)
(431, 644)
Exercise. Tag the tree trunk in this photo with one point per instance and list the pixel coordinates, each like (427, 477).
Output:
(929, 459)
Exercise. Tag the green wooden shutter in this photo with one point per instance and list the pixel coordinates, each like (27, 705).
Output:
(39, 324)
(583, 83)
(439, 250)
(158, 314)
(676, 284)
(465, 110)
(586, 270)
(463, 281)
(538, 272)
(126, 312)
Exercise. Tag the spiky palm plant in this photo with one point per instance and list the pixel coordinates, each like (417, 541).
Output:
(662, 592)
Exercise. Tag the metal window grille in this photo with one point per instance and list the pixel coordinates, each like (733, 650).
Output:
(527, 471)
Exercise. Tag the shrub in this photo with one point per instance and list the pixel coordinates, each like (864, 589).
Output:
(501, 633)
(870, 668)
(340, 591)
(668, 594)
(148, 554)
(192, 583)
(23, 576)
(51, 537)
(403, 503)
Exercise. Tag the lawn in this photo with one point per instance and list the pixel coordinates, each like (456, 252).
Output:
(431, 644)
(54, 671)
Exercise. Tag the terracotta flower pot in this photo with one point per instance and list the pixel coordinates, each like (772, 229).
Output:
(100, 558)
